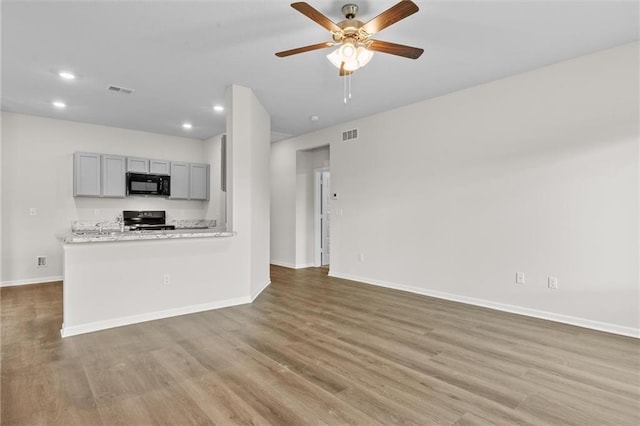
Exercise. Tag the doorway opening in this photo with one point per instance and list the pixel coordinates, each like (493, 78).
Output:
(322, 243)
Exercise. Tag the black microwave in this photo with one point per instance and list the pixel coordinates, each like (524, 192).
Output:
(143, 184)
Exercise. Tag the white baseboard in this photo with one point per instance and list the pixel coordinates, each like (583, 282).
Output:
(565, 319)
(283, 264)
(253, 297)
(291, 265)
(150, 316)
(30, 281)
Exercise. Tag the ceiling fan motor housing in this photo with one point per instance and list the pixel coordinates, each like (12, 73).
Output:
(350, 28)
(349, 10)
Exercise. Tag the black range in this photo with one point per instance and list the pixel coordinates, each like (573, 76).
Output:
(146, 220)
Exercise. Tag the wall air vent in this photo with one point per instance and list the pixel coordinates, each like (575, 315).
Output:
(117, 89)
(349, 135)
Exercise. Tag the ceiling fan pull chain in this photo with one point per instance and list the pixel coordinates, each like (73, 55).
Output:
(349, 76)
(344, 90)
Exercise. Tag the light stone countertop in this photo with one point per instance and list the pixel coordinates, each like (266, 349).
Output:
(111, 236)
(114, 225)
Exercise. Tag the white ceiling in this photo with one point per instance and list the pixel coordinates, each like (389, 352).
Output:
(179, 56)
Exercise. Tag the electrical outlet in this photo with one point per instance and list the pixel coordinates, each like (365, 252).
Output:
(361, 257)
(41, 261)
(519, 277)
(33, 211)
(553, 282)
(166, 279)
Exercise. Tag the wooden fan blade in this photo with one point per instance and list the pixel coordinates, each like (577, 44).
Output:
(395, 49)
(316, 16)
(344, 72)
(391, 16)
(304, 49)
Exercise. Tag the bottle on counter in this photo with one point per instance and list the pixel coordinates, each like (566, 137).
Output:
(120, 220)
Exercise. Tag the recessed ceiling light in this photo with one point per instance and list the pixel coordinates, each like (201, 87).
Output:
(218, 108)
(59, 104)
(66, 75)
(314, 118)
(187, 126)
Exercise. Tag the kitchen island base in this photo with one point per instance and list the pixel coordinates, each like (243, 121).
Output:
(111, 284)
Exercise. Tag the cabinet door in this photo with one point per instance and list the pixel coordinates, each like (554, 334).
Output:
(199, 182)
(86, 174)
(159, 167)
(137, 165)
(113, 176)
(179, 180)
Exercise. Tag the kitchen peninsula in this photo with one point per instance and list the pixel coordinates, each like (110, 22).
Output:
(114, 278)
(110, 236)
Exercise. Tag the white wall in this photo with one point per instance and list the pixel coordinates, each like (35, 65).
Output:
(287, 231)
(260, 200)
(213, 156)
(306, 164)
(248, 147)
(1, 206)
(536, 173)
(283, 203)
(37, 171)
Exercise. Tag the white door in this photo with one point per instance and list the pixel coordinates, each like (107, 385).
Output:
(324, 217)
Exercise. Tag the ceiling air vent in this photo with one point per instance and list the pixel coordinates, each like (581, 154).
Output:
(349, 135)
(117, 89)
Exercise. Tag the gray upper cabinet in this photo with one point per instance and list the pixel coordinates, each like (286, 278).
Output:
(198, 181)
(113, 176)
(137, 165)
(159, 167)
(86, 175)
(98, 175)
(144, 165)
(103, 175)
(179, 180)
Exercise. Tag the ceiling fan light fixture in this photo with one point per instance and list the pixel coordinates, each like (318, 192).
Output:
(364, 56)
(361, 57)
(335, 59)
(351, 65)
(347, 51)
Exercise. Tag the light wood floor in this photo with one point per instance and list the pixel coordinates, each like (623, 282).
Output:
(314, 350)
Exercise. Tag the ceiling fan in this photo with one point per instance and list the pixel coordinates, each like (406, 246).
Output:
(354, 36)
